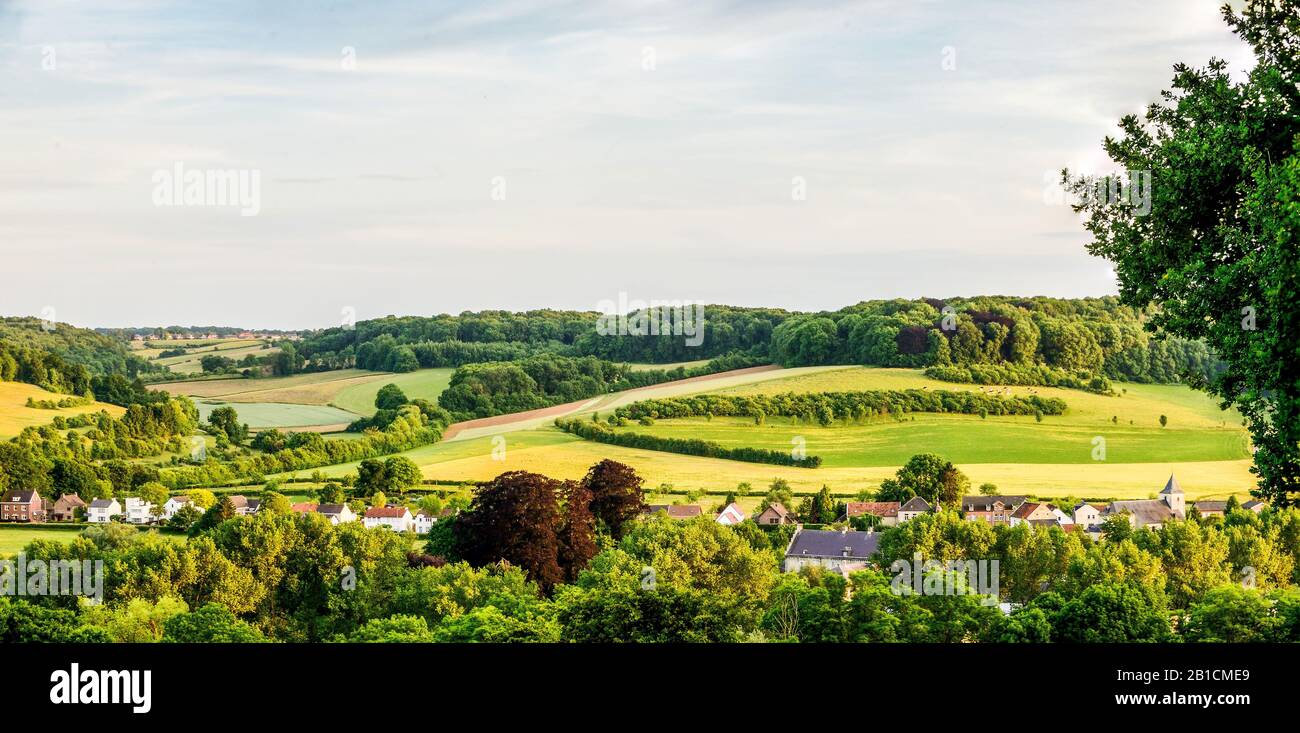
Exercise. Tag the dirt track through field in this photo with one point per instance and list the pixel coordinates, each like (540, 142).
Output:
(595, 402)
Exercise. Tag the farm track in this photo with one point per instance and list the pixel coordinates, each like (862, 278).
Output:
(595, 403)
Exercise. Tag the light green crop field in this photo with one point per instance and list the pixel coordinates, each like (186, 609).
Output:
(279, 415)
(316, 388)
(961, 439)
(422, 383)
(1202, 445)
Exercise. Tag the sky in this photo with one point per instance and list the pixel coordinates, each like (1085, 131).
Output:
(416, 158)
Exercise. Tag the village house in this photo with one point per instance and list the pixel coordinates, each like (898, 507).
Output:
(676, 511)
(1152, 513)
(303, 507)
(731, 514)
(138, 511)
(1087, 515)
(65, 509)
(844, 551)
(1254, 505)
(775, 514)
(991, 509)
(175, 504)
(913, 508)
(1210, 508)
(336, 513)
(885, 511)
(424, 521)
(396, 518)
(22, 506)
(1033, 513)
(102, 511)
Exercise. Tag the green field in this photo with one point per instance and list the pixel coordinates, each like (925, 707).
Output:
(962, 439)
(1202, 445)
(422, 383)
(14, 537)
(278, 415)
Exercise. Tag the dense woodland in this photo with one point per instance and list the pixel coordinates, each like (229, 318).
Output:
(1098, 337)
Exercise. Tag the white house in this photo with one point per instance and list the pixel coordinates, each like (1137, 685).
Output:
(1062, 518)
(913, 508)
(175, 504)
(138, 511)
(424, 522)
(731, 514)
(102, 511)
(336, 513)
(1086, 514)
(396, 518)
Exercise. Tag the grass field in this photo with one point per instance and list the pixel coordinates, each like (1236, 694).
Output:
(1202, 445)
(422, 383)
(279, 415)
(14, 537)
(189, 362)
(14, 415)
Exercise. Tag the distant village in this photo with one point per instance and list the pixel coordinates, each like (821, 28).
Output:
(841, 550)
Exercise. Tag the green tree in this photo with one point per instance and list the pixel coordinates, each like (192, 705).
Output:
(390, 397)
(1216, 244)
(212, 623)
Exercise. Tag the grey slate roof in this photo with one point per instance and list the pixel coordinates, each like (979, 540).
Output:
(915, 504)
(1211, 506)
(829, 543)
(101, 503)
(984, 503)
(1171, 486)
(1146, 511)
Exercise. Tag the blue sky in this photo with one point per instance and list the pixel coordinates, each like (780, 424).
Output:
(651, 148)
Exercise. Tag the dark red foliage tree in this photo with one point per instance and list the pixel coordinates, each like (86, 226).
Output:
(616, 494)
(577, 532)
(514, 517)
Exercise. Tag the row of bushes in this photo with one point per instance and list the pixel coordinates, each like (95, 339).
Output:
(408, 430)
(826, 407)
(686, 446)
(1027, 375)
(74, 401)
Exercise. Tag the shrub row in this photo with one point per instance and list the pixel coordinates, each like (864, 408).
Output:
(686, 446)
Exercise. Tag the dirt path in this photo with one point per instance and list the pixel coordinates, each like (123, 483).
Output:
(595, 402)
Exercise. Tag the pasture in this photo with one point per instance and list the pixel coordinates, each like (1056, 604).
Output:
(359, 397)
(280, 415)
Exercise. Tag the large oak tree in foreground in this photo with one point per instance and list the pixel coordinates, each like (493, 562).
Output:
(1218, 252)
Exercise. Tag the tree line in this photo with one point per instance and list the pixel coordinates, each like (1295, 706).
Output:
(589, 430)
(827, 407)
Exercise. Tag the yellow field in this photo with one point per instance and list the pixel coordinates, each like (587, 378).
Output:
(535, 445)
(14, 415)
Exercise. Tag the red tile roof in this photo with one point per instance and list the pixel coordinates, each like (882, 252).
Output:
(386, 511)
